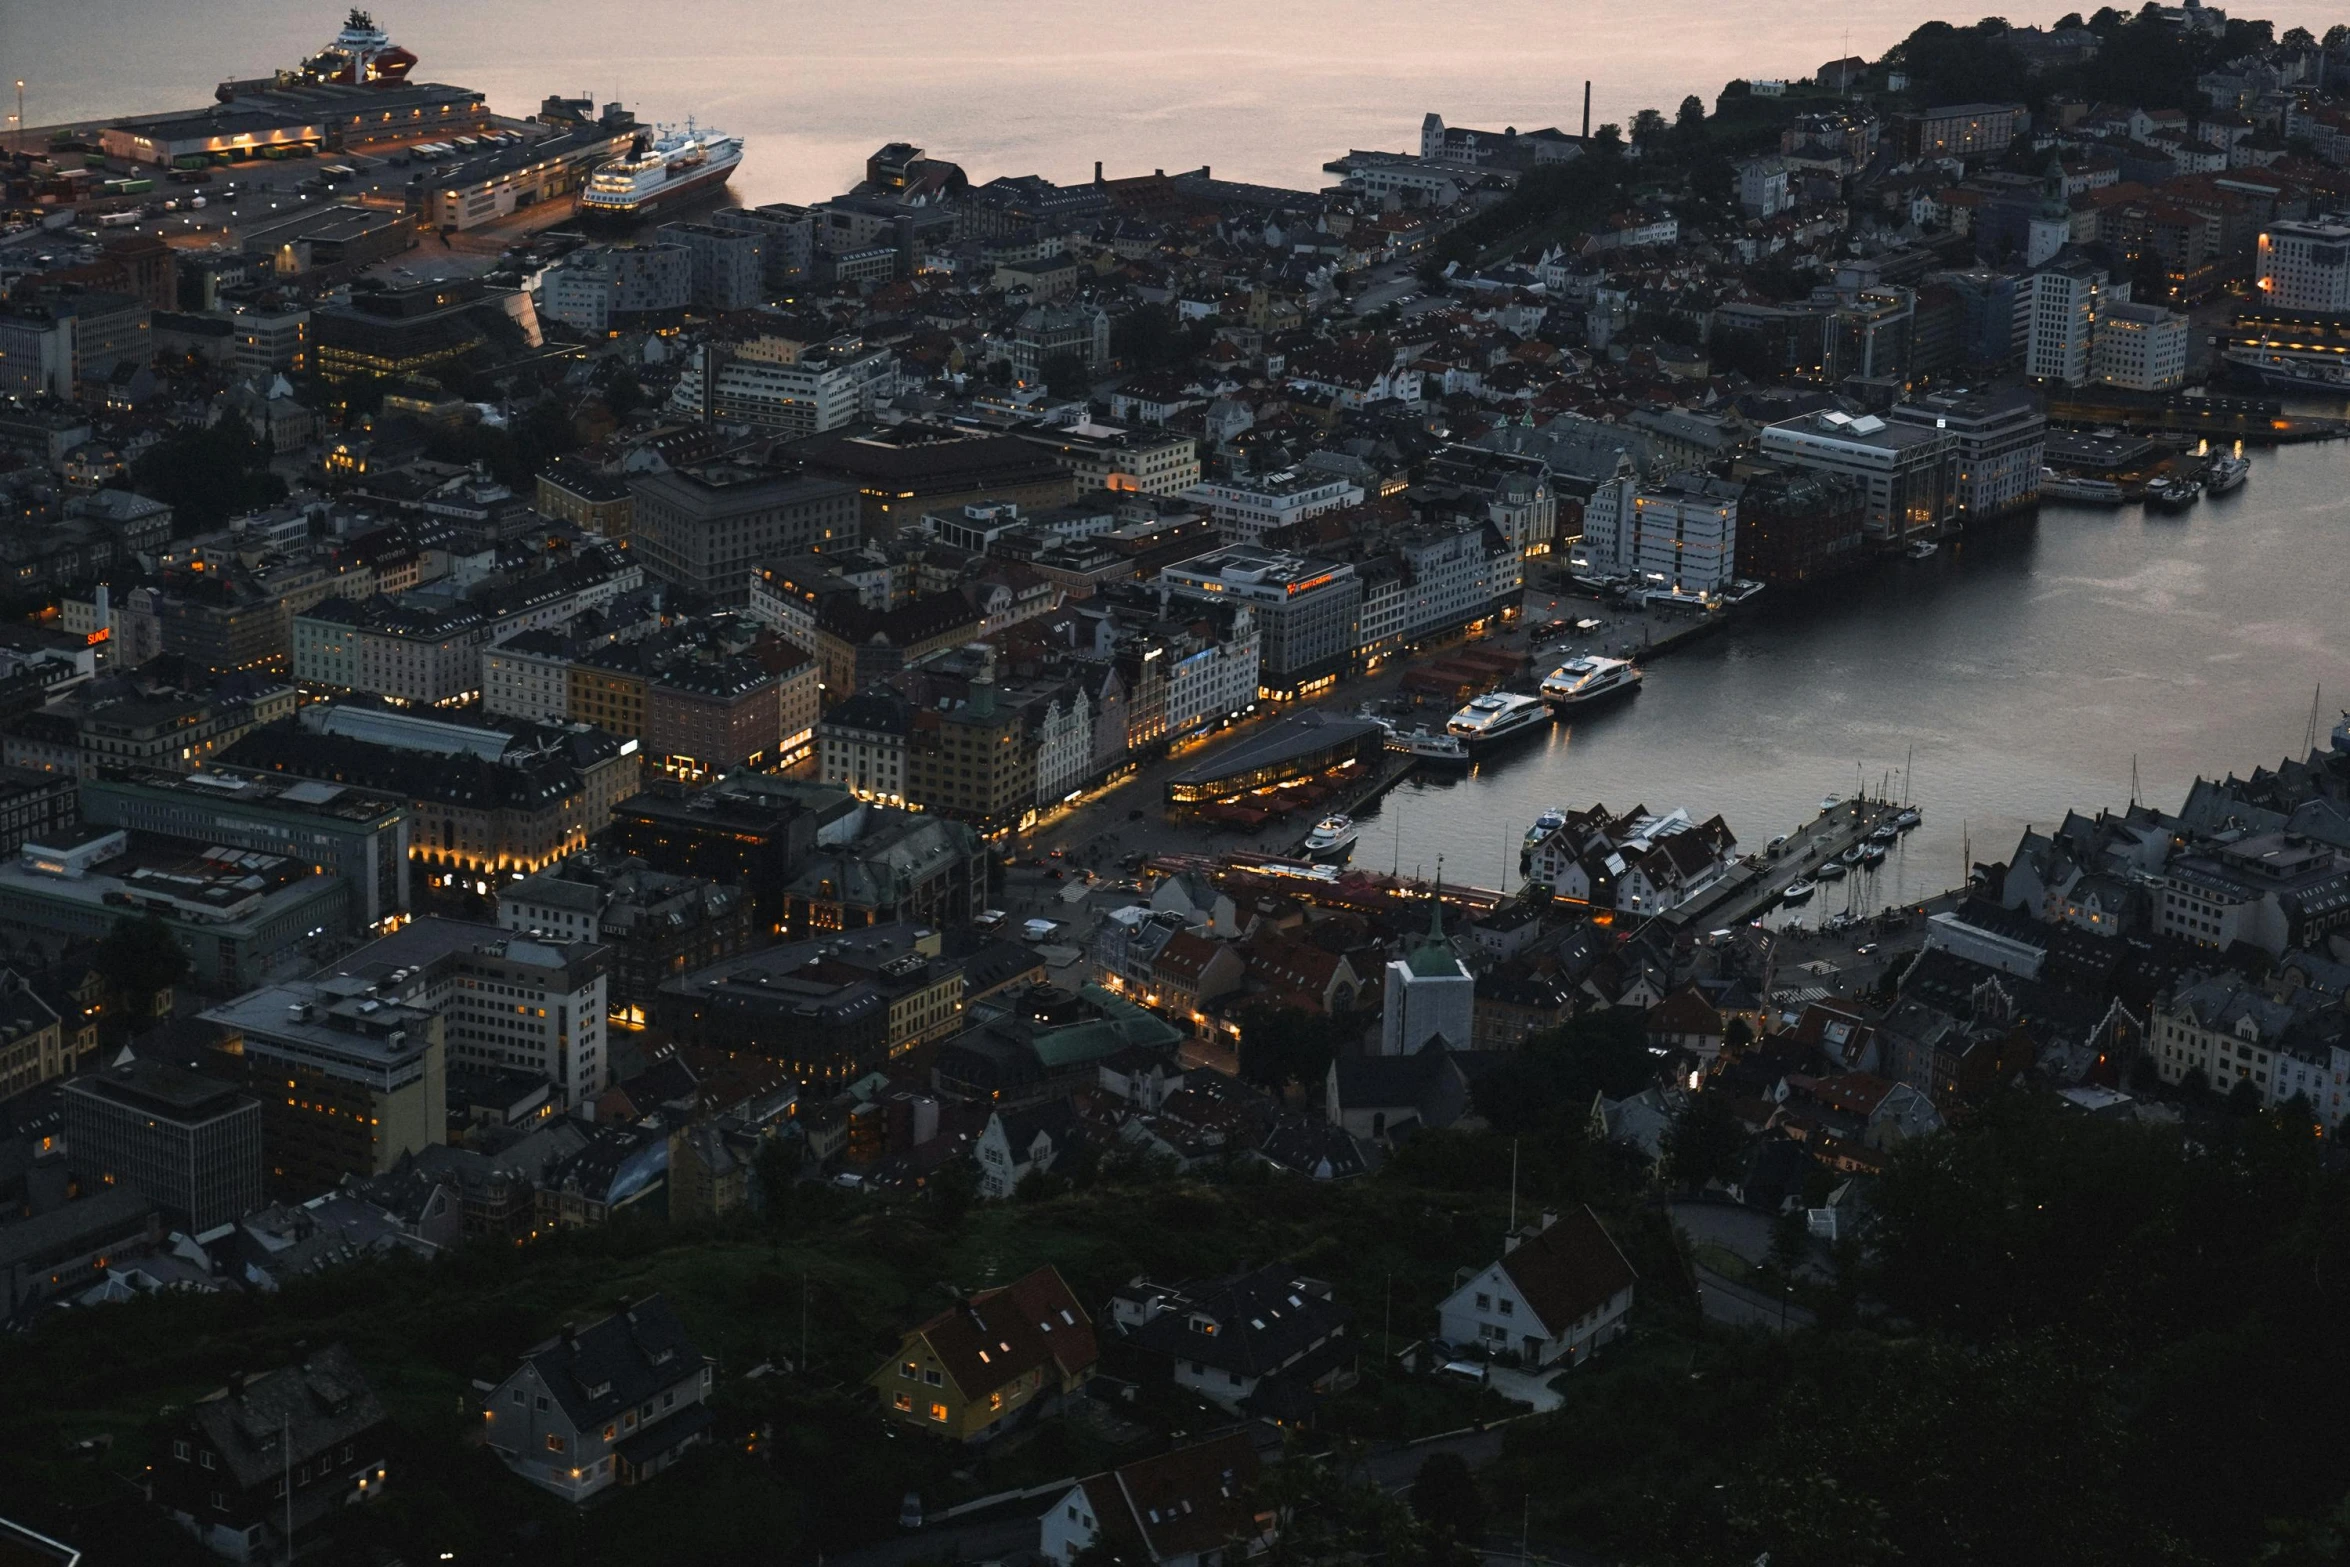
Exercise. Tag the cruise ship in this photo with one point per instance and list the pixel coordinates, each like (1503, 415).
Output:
(1587, 682)
(660, 170)
(1489, 720)
(2277, 370)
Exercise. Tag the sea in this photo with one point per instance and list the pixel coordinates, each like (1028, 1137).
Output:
(2050, 664)
(1264, 92)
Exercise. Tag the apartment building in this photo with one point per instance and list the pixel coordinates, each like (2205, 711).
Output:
(2002, 438)
(190, 1144)
(1246, 509)
(1305, 610)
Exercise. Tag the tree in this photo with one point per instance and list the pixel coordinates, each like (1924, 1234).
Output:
(1790, 1242)
(1704, 1143)
(1445, 1497)
(1691, 119)
(139, 958)
(953, 1187)
(1065, 375)
(1282, 1045)
(209, 476)
(1608, 138)
(1647, 126)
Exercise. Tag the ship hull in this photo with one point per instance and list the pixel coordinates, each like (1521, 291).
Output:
(601, 217)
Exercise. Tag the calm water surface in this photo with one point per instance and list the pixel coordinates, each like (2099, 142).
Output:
(2027, 669)
(1257, 91)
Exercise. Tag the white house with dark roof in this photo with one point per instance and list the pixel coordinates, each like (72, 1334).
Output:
(1265, 1335)
(1194, 1507)
(1560, 1290)
(610, 1404)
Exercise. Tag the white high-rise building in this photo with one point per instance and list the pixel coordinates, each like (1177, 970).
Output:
(2141, 348)
(1430, 994)
(1684, 536)
(2066, 301)
(1607, 523)
(2306, 266)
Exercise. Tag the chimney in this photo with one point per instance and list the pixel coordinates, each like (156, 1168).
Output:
(236, 1384)
(1097, 171)
(571, 1335)
(1509, 1242)
(1550, 1216)
(1587, 108)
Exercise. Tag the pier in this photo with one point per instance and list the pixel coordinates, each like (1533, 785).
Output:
(1757, 884)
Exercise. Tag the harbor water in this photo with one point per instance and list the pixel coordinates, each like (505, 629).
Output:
(1257, 92)
(2029, 669)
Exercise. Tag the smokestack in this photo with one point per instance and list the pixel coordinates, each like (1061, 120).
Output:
(1097, 171)
(1587, 108)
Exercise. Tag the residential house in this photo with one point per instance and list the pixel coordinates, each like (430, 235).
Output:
(984, 1363)
(1560, 1291)
(228, 1459)
(614, 1403)
(1261, 1343)
(1194, 1507)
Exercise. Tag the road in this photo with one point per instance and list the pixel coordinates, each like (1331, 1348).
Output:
(1737, 1306)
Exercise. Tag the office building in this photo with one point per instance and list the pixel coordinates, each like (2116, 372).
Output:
(1305, 610)
(601, 503)
(190, 1144)
(504, 1002)
(1683, 535)
(2002, 439)
(612, 288)
(1960, 130)
(968, 761)
(358, 834)
(704, 529)
(791, 389)
(2305, 267)
(2063, 306)
(1106, 457)
(787, 238)
(728, 271)
(1909, 471)
(240, 914)
(1246, 509)
(350, 1076)
(2140, 348)
(652, 924)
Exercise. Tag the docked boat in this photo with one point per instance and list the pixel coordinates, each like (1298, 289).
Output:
(1922, 549)
(660, 170)
(1885, 834)
(1333, 836)
(1910, 817)
(1548, 822)
(2278, 371)
(1799, 892)
(2227, 473)
(1829, 802)
(1494, 718)
(2056, 486)
(1589, 681)
(1852, 856)
(1833, 870)
(1872, 854)
(1429, 745)
(2173, 494)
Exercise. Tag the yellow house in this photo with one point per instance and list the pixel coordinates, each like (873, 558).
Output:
(976, 1368)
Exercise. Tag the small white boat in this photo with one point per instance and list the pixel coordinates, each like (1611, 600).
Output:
(1922, 549)
(1548, 822)
(1831, 871)
(1829, 802)
(1332, 837)
(1872, 854)
(2227, 473)
(1909, 817)
(1799, 892)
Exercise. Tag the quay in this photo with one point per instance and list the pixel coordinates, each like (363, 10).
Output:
(2256, 421)
(1757, 884)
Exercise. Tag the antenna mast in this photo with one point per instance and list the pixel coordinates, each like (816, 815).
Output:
(2309, 743)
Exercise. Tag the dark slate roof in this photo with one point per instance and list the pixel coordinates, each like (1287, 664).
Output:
(1569, 1269)
(999, 1334)
(618, 1362)
(1263, 1320)
(322, 1403)
(1185, 1503)
(1389, 1082)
